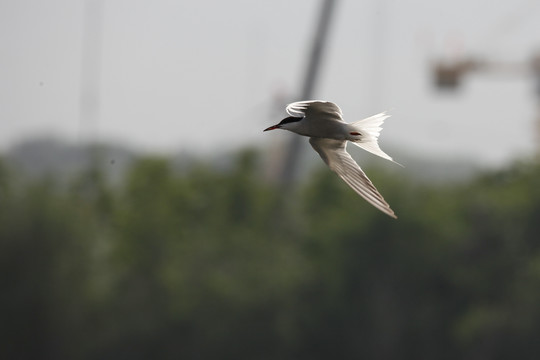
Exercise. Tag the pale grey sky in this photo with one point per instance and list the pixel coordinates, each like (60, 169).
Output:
(200, 75)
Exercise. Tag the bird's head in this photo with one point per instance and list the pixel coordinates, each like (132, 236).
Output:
(288, 123)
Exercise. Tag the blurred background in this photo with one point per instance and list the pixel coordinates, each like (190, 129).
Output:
(144, 214)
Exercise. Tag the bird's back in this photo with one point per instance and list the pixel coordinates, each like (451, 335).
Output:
(322, 119)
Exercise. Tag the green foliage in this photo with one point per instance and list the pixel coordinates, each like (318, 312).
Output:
(215, 264)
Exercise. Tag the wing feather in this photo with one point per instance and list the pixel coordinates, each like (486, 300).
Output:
(335, 155)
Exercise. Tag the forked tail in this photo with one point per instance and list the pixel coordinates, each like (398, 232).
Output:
(365, 134)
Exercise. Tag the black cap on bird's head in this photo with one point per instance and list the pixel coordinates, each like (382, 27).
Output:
(287, 120)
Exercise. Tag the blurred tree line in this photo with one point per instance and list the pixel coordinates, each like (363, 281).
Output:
(208, 264)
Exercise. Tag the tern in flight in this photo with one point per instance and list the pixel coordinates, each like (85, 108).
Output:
(328, 134)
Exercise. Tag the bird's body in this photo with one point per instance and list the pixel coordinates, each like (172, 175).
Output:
(323, 122)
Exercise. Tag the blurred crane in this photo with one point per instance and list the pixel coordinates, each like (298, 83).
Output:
(448, 75)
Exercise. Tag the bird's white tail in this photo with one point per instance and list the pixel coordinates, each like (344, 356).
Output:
(365, 134)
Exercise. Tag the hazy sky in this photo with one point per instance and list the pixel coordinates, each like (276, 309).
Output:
(200, 75)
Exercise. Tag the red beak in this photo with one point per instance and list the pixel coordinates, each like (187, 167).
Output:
(272, 127)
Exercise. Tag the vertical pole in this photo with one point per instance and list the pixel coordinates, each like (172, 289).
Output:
(290, 165)
(90, 71)
(535, 64)
(89, 89)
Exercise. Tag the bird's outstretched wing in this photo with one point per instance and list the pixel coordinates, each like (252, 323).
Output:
(315, 109)
(335, 155)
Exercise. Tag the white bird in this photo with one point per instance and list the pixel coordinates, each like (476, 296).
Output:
(328, 134)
